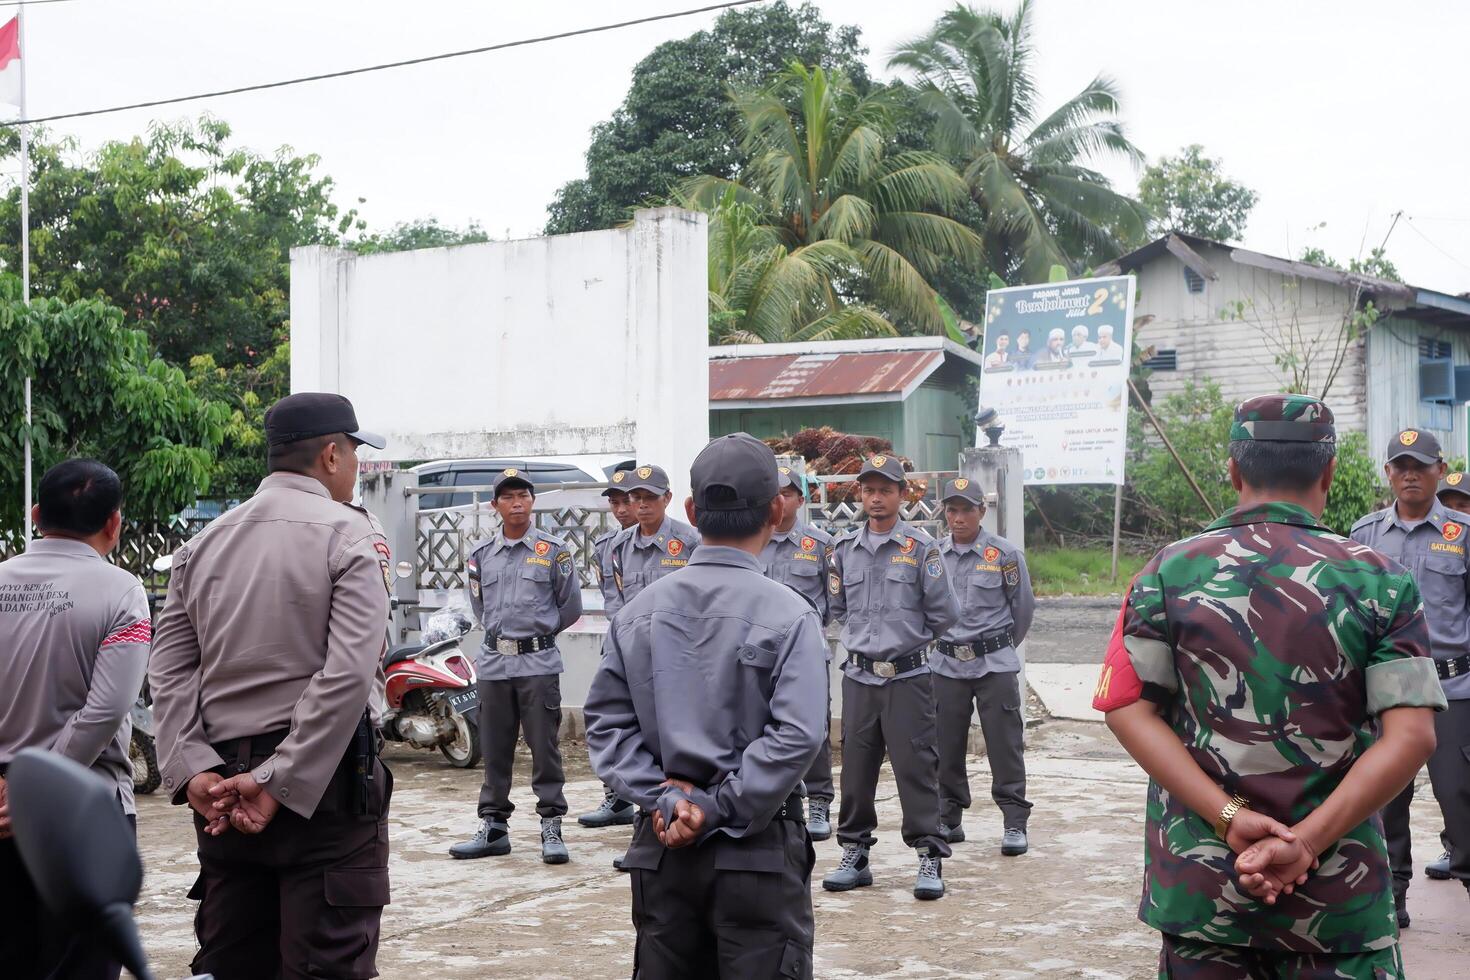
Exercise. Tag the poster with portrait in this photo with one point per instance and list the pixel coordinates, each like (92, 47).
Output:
(1056, 361)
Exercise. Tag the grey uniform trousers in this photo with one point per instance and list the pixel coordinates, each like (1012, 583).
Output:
(725, 907)
(1449, 774)
(507, 708)
(998, 697)
(896, 719)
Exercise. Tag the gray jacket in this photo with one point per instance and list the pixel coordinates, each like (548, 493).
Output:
(801, 558)
(994, 591)
(76, 632)
(637, 562)
(716, 676)
(522, 589)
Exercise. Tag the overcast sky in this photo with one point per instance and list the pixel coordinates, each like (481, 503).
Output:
(1336, 111)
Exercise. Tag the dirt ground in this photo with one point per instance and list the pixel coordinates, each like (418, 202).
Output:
(1066, 909)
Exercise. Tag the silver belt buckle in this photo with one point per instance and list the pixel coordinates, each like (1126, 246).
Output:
(508, 648)
(885, 668)
(966, 652)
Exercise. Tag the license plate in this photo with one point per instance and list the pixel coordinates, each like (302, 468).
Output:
(465, 701)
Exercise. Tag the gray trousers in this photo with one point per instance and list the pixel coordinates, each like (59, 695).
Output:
(998, 697)
(508, 708)
(894, 719)
(1449, 774)
(723, 908)
(819, 776)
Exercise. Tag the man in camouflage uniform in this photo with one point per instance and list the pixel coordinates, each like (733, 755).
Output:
(1428, 539)
(1274, 681)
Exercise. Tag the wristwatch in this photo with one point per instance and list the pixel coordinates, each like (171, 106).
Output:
(1227, 814)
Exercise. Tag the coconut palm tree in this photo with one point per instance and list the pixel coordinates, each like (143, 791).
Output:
(762, 292)
(861, 228)
(1030, 174)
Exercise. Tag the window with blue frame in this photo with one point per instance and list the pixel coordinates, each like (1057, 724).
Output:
(1436, 385)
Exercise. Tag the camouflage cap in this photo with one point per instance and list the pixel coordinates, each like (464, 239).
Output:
(1457, 482)
(1283, 418)
(883, 465)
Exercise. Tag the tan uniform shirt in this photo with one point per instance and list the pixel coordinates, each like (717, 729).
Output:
(275, 618)
(74, 636)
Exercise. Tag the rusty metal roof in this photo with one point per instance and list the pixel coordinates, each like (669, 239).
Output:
(835, 375)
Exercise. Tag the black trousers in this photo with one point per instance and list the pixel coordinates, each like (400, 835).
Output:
(819, 776)
(998, 698)
(725, 907)
(36, 945)
(303, 898)
(1449, 774)
(507, 708)
(895, 719)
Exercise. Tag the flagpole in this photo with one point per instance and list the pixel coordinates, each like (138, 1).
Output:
(25, 253)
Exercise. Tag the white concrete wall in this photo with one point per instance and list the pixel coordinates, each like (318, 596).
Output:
(590, 343)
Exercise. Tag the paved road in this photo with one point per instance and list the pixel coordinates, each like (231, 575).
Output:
(1071, 630)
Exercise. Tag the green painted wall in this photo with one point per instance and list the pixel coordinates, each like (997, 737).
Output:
(926, 428)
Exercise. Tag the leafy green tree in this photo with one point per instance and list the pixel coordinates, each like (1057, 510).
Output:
(187, 235)
(98, 390)
(1190, 193)
(677, 120)
(870, 224)
(1032, 175)
(423, 233)
(1376, 264)
(1354, 487)
(1197, 419)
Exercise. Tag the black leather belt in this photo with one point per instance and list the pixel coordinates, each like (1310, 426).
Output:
(792, 809)
(891, 668)
(237, 751)
(531, 644)
(1453, 667)
(989, 643)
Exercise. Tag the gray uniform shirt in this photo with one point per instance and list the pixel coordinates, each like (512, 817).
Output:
(892, 594)
(1433, 550)
(717, 676)
(994, 591)
(76, 631)
(276, 618)
(801, 558)
(522, 589)
(602, 554)
(638, 561)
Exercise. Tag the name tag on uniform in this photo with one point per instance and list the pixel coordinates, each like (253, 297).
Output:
(982, 567)
(1453, 549)
(673, 562)
(904, 560)
(803, 556)
(533, 560)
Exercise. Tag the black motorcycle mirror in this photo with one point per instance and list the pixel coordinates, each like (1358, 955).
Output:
(79, 850)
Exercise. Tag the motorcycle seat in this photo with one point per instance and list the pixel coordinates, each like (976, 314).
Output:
(399, 654)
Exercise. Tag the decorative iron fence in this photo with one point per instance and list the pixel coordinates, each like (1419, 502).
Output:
(141, 544)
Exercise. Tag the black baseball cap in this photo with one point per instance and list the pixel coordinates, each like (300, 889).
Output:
(964, 489)
(741, 464)
(619, 477)
(1416, 443)
(884, 465)
(654, 479)
(1457, 482)
(308, 414)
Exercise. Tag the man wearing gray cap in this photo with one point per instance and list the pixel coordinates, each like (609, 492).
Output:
(655, 546)
(613, 811)
(976, 666)
(890, 590)
(524, 592)
(706, 711)
(266, 673)
(798, 555)
(1429, 539)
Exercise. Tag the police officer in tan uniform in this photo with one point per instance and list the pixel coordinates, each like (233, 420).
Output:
(265, 674)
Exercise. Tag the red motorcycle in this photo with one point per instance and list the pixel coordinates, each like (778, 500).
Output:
(433, 700)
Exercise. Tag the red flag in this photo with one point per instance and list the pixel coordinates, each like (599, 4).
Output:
(10, 62)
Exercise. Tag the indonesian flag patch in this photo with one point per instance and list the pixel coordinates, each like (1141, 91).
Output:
(139, 632)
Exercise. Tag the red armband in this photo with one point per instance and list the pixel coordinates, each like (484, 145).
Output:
(1119, 685)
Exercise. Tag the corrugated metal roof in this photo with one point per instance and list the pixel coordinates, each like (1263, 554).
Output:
(818, 375)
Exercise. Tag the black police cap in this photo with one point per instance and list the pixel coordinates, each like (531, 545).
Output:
(309, 414)
(741, 464)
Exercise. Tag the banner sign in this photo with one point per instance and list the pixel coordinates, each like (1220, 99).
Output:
(1056, 369)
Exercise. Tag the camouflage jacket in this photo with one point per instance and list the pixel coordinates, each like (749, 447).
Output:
(1270, 644)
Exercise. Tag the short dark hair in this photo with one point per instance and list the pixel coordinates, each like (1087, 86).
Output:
(78, 496)
(1289, 466)
(298, 456)
(730, 525)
